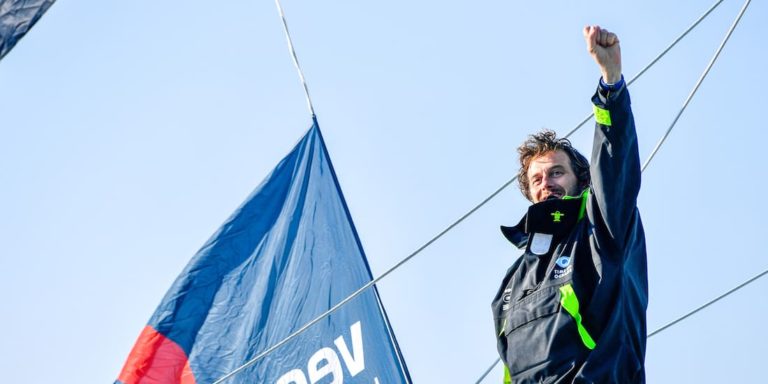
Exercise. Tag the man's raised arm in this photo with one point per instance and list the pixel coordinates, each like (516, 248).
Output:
(615, 161)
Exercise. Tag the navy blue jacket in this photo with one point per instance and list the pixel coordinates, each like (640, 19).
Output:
(572, 308)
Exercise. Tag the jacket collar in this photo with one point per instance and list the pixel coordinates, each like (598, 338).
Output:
(554, 216)
(516, 235)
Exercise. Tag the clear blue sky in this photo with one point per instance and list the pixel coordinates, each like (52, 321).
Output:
(131, 130)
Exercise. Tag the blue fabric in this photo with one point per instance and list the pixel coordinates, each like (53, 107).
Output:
(16, 18)
(288, 254)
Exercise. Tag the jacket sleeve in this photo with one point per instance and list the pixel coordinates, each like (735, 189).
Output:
(615, 167)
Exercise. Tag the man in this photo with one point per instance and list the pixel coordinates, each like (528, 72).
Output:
(572, 308)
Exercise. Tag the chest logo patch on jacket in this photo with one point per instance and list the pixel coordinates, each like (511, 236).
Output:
(563, 267)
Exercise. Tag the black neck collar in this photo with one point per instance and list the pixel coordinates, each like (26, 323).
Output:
(555, 216)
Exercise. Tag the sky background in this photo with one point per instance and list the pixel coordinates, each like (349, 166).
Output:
(131, 130)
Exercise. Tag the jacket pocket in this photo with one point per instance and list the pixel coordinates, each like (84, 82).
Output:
(537, 336)
(544, 302)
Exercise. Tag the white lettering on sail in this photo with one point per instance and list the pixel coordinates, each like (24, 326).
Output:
(326, 361)
(355, 363)
(295, 376)
(331, 366)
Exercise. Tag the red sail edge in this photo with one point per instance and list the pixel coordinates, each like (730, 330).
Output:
(155, 359)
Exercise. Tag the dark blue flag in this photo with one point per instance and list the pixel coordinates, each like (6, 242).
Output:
(288, 254)
(16, 18)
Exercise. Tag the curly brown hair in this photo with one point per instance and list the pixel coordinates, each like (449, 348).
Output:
(541, 143)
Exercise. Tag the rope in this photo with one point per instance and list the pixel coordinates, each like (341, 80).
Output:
(698, 83)
(691, 313)
(295, 59)
(439, 235)
(487, 371)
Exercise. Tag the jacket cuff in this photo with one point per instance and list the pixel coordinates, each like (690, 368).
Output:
(608, 93)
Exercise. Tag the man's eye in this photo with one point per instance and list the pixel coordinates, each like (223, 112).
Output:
(557, 173)
(536, 181)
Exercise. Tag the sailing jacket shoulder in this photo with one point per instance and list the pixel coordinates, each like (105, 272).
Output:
(572, 308)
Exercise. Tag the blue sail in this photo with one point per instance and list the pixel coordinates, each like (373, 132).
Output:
(16, 18)
(287, 255)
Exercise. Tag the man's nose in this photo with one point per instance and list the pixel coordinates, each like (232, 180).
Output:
(547, 182)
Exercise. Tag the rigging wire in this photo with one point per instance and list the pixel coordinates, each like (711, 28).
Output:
(295, 58)
(443, 232)
(698, 83)
(689, 314)
(648, 161)
(487, 371)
